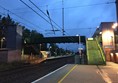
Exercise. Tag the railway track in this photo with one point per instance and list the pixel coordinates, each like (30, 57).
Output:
(30, 73)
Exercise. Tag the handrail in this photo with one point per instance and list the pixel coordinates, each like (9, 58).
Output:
(101, 51)
(87, 49)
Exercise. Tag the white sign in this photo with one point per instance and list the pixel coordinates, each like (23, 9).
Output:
(90, 38)
(108, 46)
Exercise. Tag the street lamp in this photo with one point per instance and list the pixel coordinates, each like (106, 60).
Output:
(100, 33)
(80, 56)
(79, 40)
(40, 49)
(50, 51)
(56, 51)
(115, 25)
(2, 39)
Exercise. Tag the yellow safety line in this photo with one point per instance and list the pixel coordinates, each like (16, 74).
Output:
(67, 74)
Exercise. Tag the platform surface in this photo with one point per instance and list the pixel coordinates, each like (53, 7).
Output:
(73, 73)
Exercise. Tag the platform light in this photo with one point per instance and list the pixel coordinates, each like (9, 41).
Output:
(111, 54)
(100, 33)
(116, 54)
(107, 34)
(2, 40)
(115, 25)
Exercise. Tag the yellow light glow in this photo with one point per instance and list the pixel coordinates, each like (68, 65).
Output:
(115, 25)
(111, 54)
(107, 35)
(116, 54)
(100, 33)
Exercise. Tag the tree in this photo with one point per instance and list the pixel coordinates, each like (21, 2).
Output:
(26, 35)
(54, 49)
(4, 22)
(32, 37)
(7, 21)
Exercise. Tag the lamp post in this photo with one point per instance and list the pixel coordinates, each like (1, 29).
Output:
(79, 40)
(56, 51)
(2, 39)
(50, 51)
(80, 56)
(114, 26)
(40, 49)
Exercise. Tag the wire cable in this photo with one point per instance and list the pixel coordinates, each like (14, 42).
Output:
(35, 12)
(18, 21)
(83, 5)
(19, 16)
(43, 12)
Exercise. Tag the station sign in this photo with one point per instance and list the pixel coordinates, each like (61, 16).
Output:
(108, 46)
(90, 38)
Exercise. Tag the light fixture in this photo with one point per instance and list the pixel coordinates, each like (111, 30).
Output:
(100, 33)
(115, 25)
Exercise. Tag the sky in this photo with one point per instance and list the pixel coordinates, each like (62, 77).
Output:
(80, 16)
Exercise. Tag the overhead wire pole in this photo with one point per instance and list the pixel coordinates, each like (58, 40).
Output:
(63, 18)
(45, 15)
(50, 18)
(42, 16)
(50, 21)
(35, 12)
(116, 10)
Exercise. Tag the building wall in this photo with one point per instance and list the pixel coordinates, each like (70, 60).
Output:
(3, 55)
(108, 42)
(13, 37)
(19, 37)
(14, 55)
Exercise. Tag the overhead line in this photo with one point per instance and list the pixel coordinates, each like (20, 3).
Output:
(79, 28)
(43, 13)
(18, 21)
(83, 6)
(91, 5)
(35, 12)
(18, 16)
(75, 6)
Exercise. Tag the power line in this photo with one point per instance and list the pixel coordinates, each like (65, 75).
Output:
(90, 5)
(107, 3)
(84, 5)
(73, 6)
(44, 13)
(35, 12)
(17, 21)
(19, 16)
(24, 24)
(79, 28)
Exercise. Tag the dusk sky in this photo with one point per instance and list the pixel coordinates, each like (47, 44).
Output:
(81, 16)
